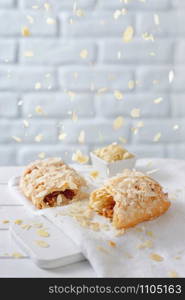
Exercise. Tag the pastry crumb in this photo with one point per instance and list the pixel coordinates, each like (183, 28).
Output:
(112, 244)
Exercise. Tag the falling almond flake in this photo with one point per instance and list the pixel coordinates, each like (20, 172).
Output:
(17, 255)
(30, 19)
(135, 130)
(42, 244)
(176, 127)
(5, 221)
(131, 84)
(118, 122)
(157, 137)
(62, 136)
(42, 233)
(47, 6)
(122, 139)
(39, 138)
(117, 14)
(94, 174)
(173, 274)
(128, 34)
(37, 85)
(84, 53)
(79, 157)
(118, 95)
(135, 113)
(50, 21)
(158, 100)
(28, 54)
(81, 138)
(140, 124)
(156, 19)
(148, 36)
(101, 90)
(42, 155)
(171, 76)
(79, 13)
(26, 123)
(17, 139)
(18, 222)
(156, 257)
(25, 31)
(74, 116)
(152, 171)
(39, 109)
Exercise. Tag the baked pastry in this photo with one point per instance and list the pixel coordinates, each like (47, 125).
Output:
(129, 198)
(51, 182)
(112, 152)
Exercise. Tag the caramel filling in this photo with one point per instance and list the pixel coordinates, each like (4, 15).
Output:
(51, 199)
(107, 208)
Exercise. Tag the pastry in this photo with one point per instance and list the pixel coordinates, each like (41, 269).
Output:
(112, 153)
(51, 182)
(129, 198)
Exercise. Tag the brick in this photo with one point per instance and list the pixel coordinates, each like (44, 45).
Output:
(13, 21)
(7, 51)
(19, 78)
(135, 4)
(138, 51)
(86, 79)
(108, 106)
(96, 131)
(16, 128)
(55, 52)
(178, 105)
(95, 24)
(8, 105)
(7, 155)
(165, 127)
(176, 151)
(58, 105)
(145, 23)
(28, 153)
(55, 4)
(154, 79)
(7, 3)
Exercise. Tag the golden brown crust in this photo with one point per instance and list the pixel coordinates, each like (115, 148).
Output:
(130, 198)
(45, 182)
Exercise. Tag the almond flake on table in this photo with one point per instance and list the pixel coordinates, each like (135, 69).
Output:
(42, 233)
(28, 54)
(42, 244)
(128, 34)
(150, 233)
(26, 123)
(156, 257)
(118, 122)
(38, 85)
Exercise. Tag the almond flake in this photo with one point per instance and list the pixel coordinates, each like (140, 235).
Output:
(148, 36)
(26, 226)
(158, 100)
(81, 138)
(112, 244)
(157, 137)
(42, 244)
(50, 21)
(25, 31)
(101, 90)
(135, 113)
(146, 244)
(62, 136)
(42, 155)
(128, 34)
(5, 221)
(118, 122)
(39, 138)
(37, 85)
(18, 222)
(17, 255)
(94, 174)
(84, 53)
(102, 249)
(171, 76)
(17, 139)
(28, 54)
(42, 233)
(156, 19)
(26, 123)
(173, 274)
(131, 84)
(79, 157)
(118, 95)
(156, 257)
(150, 233)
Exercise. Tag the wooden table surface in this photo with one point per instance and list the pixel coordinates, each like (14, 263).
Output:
(11, 209)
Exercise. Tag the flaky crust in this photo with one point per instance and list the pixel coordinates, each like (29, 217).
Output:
(44, 177)
(130, 198)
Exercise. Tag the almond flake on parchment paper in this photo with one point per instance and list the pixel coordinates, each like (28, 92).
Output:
(156, 257)
(148, 36)
(42, 244)
(38, 138)
(171, 76)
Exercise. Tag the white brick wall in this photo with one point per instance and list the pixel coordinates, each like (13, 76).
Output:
(74, 60)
